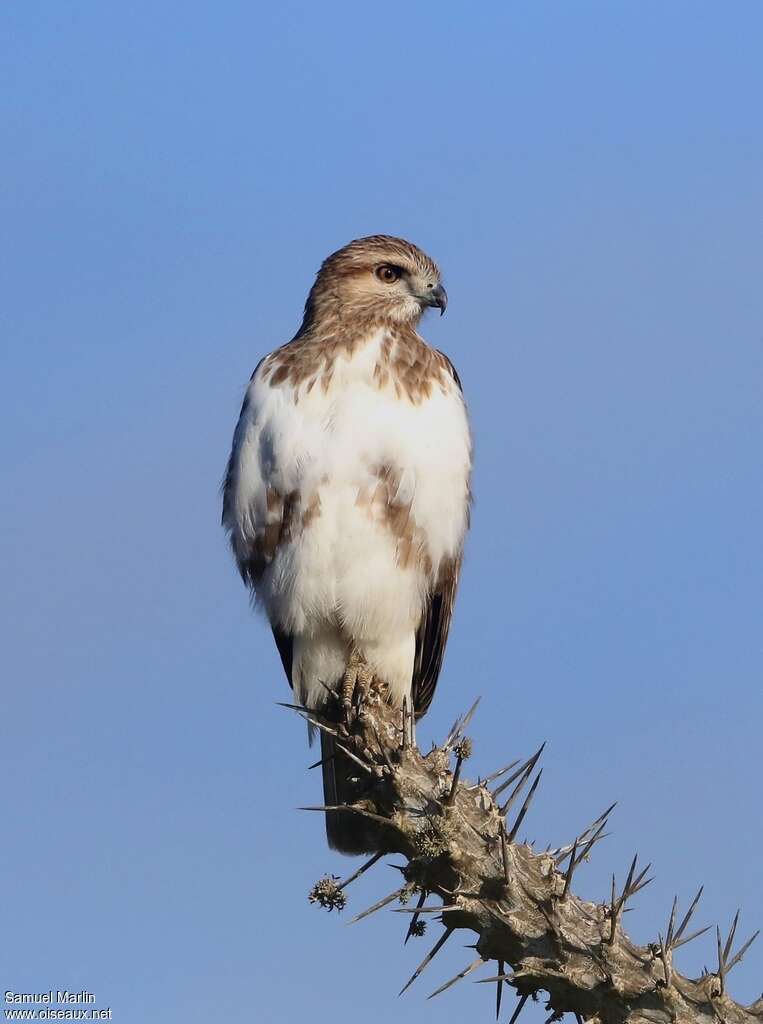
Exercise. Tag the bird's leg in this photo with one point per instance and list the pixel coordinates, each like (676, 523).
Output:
(367, 692)
(364, 682)
(349, 681)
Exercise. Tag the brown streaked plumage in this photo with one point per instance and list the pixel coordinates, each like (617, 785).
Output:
(408, 363)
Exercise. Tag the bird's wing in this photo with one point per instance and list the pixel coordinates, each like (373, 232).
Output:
(285, 645)
(258, 503)
(432, 634)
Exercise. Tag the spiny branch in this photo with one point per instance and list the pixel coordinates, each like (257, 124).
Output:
(458, 847)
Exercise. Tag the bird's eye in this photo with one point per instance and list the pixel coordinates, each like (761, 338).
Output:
(388, 274)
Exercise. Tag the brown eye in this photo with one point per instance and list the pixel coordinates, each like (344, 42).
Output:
(388, 274)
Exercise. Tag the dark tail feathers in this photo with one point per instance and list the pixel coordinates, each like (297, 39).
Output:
(345, 831)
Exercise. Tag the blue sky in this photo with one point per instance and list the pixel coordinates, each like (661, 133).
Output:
(588, 176)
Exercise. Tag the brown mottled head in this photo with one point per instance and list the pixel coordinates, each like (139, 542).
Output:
(378, 277)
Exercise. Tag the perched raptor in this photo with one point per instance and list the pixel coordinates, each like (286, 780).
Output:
(346, 497)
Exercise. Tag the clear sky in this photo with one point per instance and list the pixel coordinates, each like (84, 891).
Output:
(588, 175)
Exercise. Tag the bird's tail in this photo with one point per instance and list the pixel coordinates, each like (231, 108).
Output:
(345, 831)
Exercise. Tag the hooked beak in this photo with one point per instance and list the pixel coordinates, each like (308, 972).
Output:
(437, 296)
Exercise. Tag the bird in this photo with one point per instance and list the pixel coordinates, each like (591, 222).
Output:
(347, 494)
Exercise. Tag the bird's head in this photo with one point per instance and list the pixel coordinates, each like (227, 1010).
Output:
(378, 277)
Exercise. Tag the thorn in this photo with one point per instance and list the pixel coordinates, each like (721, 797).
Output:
(499, 991)
(324, 760)
(460, 724)
(427, 910)
(529, 763)
(504, 852)
(687, 918)
(414, 919)
(470, 713)
(570, 870)
(454, 785)
(520, 1007)
(525, 807)
(293, 707)
(730, 939)
(614, 907)
(428, 959)
(638, 885)
(378, 905)
(495, 775)
(312, 720)
(353, 757)
(347, 807)
(738, 956)
(594, 839)
(523, 777)
(643, 884)
(361, 870)
(664, 952)
(461, 974)
(677, 943)
(671, 924)
(506, 782)
(329, 689)
(596, 826)
(724, 964)
(602, 817)
(564, 852)
(629, 879)
(721, 965)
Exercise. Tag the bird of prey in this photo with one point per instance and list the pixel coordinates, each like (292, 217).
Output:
(346, 497)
